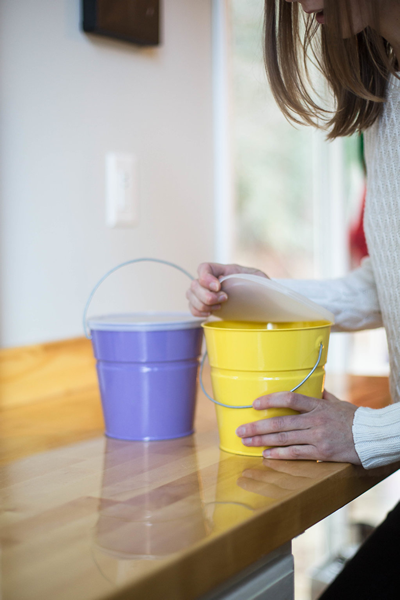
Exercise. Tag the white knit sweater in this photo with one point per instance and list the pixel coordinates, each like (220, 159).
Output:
(369, 297)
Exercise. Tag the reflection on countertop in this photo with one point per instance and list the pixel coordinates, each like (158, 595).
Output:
(145, 513)
(156, 500)
(113, 510)
(81, 520)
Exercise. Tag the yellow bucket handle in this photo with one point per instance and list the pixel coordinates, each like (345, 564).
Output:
(321, 347)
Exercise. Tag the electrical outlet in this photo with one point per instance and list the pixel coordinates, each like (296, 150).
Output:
(122, 193)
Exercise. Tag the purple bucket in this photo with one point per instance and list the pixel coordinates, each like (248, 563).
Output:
(147, 366)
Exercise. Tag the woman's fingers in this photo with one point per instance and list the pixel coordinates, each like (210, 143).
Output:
(199, 309)
(286, 400)
(206, 297)
(208, 275)
(202, 300)
(283, 438)
(274, 425)
(303, 452)
(323, 430)
(205, 294)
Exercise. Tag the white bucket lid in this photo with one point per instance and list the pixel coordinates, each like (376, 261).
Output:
(255, 298)
(145, 321)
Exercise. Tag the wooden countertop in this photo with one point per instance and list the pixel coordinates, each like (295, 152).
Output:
(85, 517)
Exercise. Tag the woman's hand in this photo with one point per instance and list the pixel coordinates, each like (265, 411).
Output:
(205, 293)
(322, 430)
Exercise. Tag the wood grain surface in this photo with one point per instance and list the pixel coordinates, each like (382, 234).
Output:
(44, 371)
(84, 517)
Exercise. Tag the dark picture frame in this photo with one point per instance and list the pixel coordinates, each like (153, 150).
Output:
(134, 21)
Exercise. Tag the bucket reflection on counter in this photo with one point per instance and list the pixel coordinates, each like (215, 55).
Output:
(140, 517)
(233, 504)
(249, 360)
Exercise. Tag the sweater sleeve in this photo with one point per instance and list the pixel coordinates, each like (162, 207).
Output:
(353, 299)
(376, 434)
(354, 302)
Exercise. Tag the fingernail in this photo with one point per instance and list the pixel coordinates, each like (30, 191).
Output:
(214, 285)
(222, 297)
(241, 431)
(267, 453)
(247, 441)
(256, 404)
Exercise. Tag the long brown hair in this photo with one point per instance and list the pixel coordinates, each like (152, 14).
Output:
(356, 66)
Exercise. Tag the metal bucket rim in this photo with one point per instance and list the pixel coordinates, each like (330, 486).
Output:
(219, 325)
(125, 322)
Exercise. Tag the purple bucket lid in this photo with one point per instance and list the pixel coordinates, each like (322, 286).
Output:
(145, 321)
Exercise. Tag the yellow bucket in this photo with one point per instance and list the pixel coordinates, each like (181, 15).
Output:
(249, 360)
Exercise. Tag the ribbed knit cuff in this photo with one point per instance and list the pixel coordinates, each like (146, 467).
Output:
(376, 434)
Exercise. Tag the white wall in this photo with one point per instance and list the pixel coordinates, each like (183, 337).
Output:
(66, 99)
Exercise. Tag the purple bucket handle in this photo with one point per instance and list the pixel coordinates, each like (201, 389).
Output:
(321, 347)
(124, 264)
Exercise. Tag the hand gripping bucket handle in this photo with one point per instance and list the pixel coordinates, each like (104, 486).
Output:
(124, 264)
(321, 347)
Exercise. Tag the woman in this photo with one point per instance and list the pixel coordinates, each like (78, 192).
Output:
(355, 44)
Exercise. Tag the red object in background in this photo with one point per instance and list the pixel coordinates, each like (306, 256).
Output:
(358, 244)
